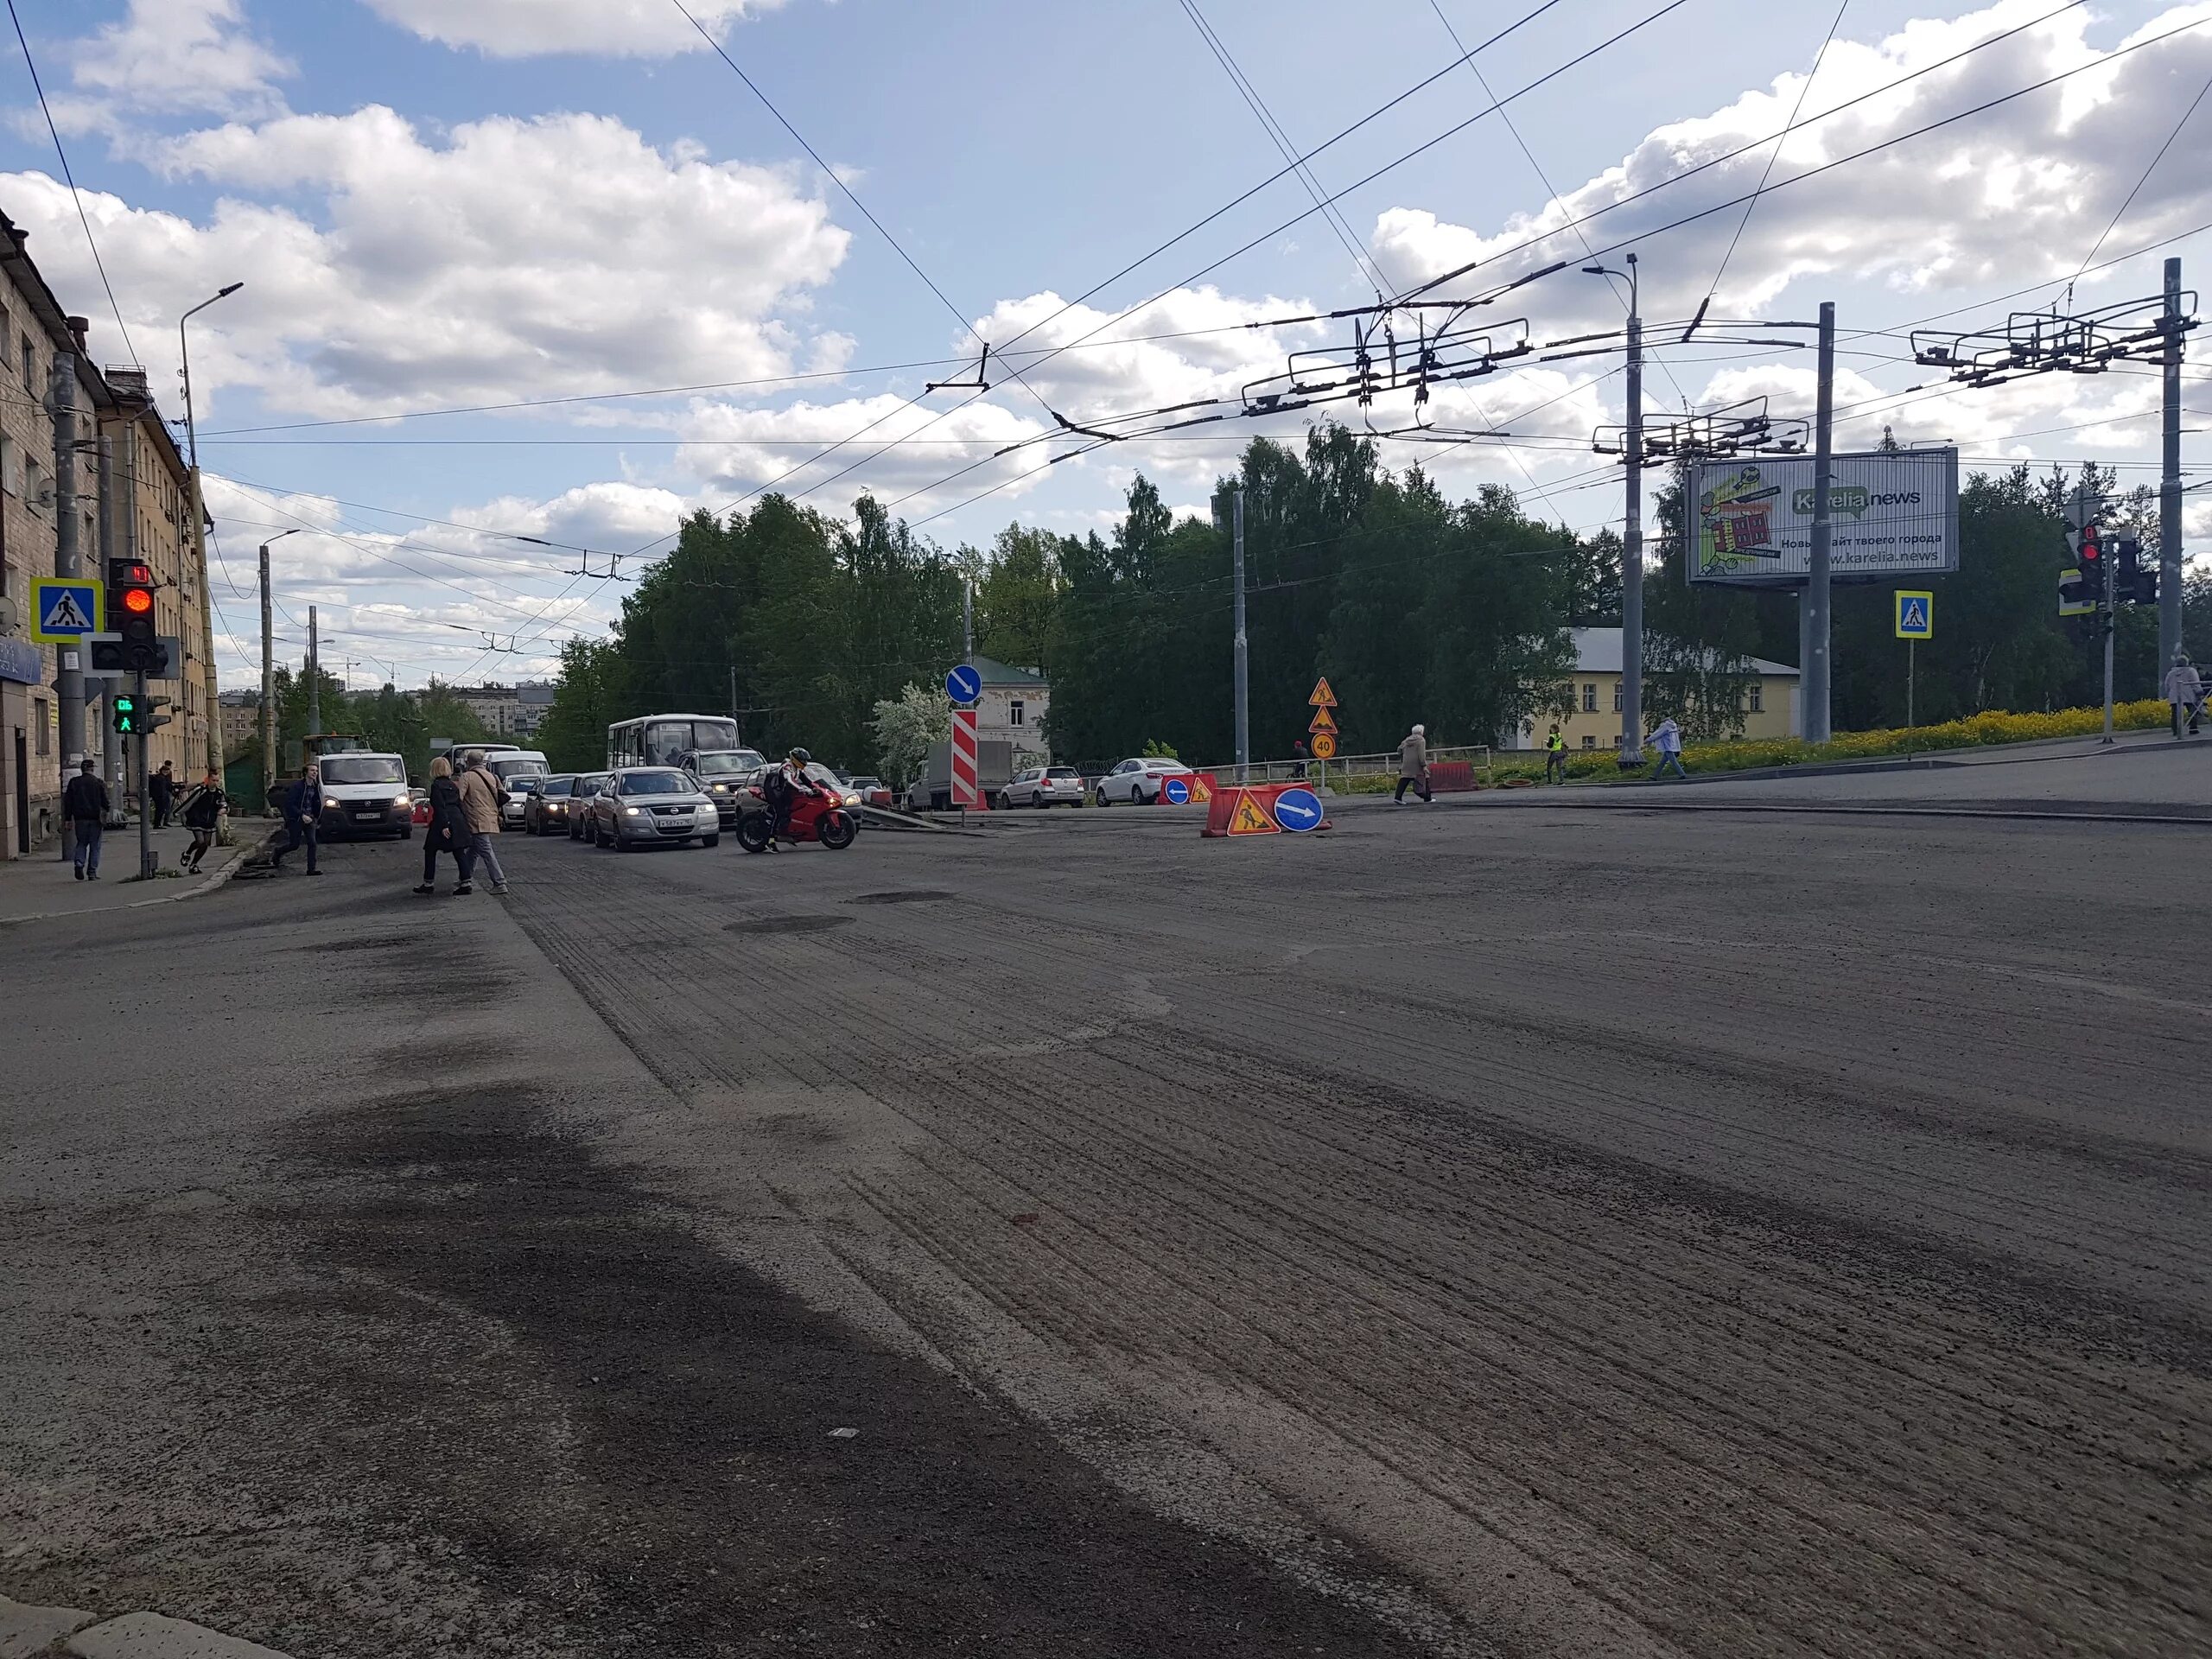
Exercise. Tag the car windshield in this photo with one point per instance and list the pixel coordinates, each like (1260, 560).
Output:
(866, 782)
(362, 769)
(1060, 771)
(655, 783)
(557, 786)
(511, 768)
(727, 763)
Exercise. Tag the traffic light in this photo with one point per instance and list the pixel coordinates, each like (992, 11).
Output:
(2132, 581)
(2091, 552)
(131, 601)
(2073, 594)
(154, 719)
(129, 718)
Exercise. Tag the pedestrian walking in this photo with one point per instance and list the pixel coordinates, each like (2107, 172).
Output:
(202, 814)
(448, 831)
(162, 787)
(481, 798)
(84, 803)
(2185, 691)
(1413, 765)
(1668, 741)
(303, 818)
(1554, 758)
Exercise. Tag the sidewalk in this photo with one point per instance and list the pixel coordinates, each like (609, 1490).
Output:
(43, 884)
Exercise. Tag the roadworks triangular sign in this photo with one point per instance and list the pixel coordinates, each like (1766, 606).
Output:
(1248, 817)
(1323, 721)
(1322, 698)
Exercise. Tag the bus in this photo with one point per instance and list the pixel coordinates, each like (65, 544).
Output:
(657, 740)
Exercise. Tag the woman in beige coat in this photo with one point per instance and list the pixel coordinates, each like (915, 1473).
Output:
(1413, 764)
(481, 795)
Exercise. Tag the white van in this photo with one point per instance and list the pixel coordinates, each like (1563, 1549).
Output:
(365, 793)
(518, 770)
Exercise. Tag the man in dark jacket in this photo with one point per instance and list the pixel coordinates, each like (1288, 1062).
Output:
(84, 803)
(203, 815)
(162, 787)
(303, 816)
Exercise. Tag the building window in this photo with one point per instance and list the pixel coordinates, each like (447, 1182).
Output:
(30, 363)
(1589, 741)
(1589, 699)
(1759, 696)
(1013, 712)
(40, 718)
(1620, 695)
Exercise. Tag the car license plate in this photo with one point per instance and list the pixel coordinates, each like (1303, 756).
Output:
(367, 817)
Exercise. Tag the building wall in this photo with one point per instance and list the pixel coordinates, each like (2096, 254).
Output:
(1015, 713)
(1601, 728)
(27, 533)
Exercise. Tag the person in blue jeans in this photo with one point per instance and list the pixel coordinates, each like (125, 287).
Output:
(302, 815)
(1667, 742)
(84, 803)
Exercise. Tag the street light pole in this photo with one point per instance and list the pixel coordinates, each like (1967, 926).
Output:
(1631, 753)
(268, 677)
(212, 689)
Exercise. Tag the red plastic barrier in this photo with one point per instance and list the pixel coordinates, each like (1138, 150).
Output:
(1248, 809)
(1450, 777)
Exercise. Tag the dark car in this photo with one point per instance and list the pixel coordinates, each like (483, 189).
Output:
(723, 773)
(545, 809)
(580, 790)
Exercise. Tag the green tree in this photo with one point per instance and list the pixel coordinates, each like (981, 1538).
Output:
(904, 727)
(1017, 599)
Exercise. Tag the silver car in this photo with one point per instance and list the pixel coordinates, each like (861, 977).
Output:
(1043, 786)
(640, 804)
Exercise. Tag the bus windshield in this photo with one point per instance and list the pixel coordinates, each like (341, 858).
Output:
(657, 740)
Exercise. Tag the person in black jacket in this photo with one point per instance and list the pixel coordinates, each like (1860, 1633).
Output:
(303, 818)
(85, 804)
(203, 811)
(162, 787)
(448, 828)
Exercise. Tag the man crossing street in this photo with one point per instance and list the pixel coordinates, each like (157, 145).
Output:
(84, 803)
(303, 818)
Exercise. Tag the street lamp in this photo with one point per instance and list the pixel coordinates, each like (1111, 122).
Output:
(1631, 751)
(268, 670)
(199, 533)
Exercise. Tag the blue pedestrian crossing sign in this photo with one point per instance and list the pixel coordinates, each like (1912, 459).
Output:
(963, 684)
(1916, 615)
(64, 609)
(1298, 810)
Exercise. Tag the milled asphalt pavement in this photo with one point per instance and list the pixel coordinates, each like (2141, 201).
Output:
(1527, 1227)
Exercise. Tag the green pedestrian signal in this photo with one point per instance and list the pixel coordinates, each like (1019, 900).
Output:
(129, 717)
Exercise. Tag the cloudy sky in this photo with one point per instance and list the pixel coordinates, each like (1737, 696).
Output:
(552, 269)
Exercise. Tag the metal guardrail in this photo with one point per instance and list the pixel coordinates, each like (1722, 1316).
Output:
(1345, 767)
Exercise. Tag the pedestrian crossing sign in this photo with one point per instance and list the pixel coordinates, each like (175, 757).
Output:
(64, 609)
(1916, 615)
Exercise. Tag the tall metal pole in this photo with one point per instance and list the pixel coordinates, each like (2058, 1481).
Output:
(110, 745)
(268, 687)
(1813, 673)
(2169, 550)
(1242, 668)
(314, 675)
(2085, 513)
(967, 620)
(69, 679)
(1632, 544)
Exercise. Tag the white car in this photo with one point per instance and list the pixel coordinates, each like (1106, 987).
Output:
(1043, 786)
(1139, 782)
(365, 794)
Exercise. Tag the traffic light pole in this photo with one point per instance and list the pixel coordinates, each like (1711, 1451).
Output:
(2169, 550)
(1242, 662)
(1813, 677)
(146, 866)
(69, 678)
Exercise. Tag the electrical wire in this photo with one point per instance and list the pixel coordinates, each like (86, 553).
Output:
(75, 195)
(2150, 167)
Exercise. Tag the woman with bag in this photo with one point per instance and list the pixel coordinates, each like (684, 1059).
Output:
(447, 833)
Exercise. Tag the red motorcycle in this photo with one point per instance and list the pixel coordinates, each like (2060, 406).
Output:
(814, 818)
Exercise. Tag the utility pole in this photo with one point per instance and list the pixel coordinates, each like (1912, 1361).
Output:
(268, 687)
(69, 678)
(1632, 544)
(110, 748)
(1813, 675)
(967, 620)
(2170, 559)
(1244, 683)
(314, 675)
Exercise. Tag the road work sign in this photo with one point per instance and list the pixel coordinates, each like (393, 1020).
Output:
(1322, 698)
(1323, 721)
(1250, 818)
(1324, 746)
(64, 609)
(1916, 615)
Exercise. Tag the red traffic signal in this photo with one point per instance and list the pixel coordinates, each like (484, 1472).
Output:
(2091, 550)
(130, 596)
(137, 601)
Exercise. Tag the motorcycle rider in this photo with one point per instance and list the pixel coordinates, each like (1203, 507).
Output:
(784, 786)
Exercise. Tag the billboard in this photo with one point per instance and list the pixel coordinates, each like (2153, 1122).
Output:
(1750, 520)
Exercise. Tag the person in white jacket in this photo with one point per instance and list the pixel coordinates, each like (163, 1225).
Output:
(1668, 741)
(2185, 691)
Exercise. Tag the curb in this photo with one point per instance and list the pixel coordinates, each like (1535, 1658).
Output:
(77, 1634)
(207, 884)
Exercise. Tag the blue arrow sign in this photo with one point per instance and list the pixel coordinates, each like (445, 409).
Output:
(963, 684)
(1298, 810)
(1177, 791)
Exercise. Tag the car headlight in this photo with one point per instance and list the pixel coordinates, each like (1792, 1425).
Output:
(634, 811)
(722, 789)
(400, 800)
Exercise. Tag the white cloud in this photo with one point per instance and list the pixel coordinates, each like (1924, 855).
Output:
(516, 258)
(520, 28)
(166, 57)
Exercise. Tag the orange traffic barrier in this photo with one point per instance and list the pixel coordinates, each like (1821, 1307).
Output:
(1452, 777)
(1251, 809)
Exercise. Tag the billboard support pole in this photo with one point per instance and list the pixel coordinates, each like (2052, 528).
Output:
(1813, 674)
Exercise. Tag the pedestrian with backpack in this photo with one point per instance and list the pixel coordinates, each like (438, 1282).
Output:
(483, 798)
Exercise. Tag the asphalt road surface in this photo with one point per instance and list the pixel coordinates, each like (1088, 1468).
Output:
(1531, 1232)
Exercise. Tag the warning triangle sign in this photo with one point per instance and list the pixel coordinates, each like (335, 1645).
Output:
(1250, 818)
(1323, 721)
(1322, 698)
(65, 615)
